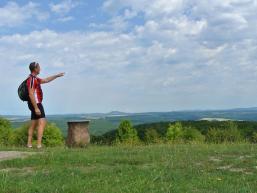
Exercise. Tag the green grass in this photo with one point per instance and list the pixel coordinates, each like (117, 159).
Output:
(150, 169)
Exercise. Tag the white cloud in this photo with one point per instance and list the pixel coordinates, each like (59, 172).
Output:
(13, 14)
(208, 38)
(163, 7)
(64, 6)
(128, 14)
(65, 19)
(178, 55)
(151, 8)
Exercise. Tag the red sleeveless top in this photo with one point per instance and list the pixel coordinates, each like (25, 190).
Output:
(35, 83)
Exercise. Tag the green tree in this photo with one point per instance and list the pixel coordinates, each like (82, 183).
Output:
(5, 123)
(230, 133)
(151, 136)
(174, 132)
(5, 132)
(214, 135)
(192, 135)
(254, 137)
(126, 133)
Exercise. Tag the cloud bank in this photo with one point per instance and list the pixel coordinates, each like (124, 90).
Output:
(146, 56)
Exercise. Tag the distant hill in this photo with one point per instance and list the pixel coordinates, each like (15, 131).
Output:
(104, 122)
(117, 113)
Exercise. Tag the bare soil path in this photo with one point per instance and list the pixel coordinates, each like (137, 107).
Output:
(7, 155)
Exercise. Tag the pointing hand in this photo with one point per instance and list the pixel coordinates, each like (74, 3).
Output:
(61, 74)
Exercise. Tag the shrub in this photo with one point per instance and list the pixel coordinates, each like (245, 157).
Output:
(214, 135)
(126, 133)
(232, 135)
(151, 136)
(174, 132)
(97, 140)
(52, 136)
(5, 123)
(192, 135)
(5, 132)
(20, 136)
(254, 137)
(229, 134)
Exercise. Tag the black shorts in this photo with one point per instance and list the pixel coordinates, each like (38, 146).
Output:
(34, 116)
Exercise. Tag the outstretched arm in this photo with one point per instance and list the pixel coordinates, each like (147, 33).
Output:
(51, 78)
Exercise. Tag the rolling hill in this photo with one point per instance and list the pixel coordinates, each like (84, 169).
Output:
(104, 122)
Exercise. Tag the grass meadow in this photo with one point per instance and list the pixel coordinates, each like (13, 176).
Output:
(222, 168)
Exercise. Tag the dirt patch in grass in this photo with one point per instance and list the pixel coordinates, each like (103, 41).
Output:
(224, 167)
(7, 155)
(230, 168)
(215, 159)
(19, 170)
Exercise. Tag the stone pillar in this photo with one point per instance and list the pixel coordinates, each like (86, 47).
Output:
(78, 134)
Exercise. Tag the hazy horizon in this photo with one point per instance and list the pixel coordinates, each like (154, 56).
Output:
(130, 55)
(139, 112)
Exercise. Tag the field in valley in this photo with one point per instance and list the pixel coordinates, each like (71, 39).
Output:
(181, 168)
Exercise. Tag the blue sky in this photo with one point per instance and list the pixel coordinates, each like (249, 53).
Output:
(131, 55)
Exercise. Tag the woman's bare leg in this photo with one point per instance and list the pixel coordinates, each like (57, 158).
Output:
(41, 127)
(32, 126)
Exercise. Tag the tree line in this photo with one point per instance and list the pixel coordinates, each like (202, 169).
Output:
(153, 133)
(181, 132)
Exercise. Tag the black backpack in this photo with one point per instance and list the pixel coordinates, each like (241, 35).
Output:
(23, 91)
